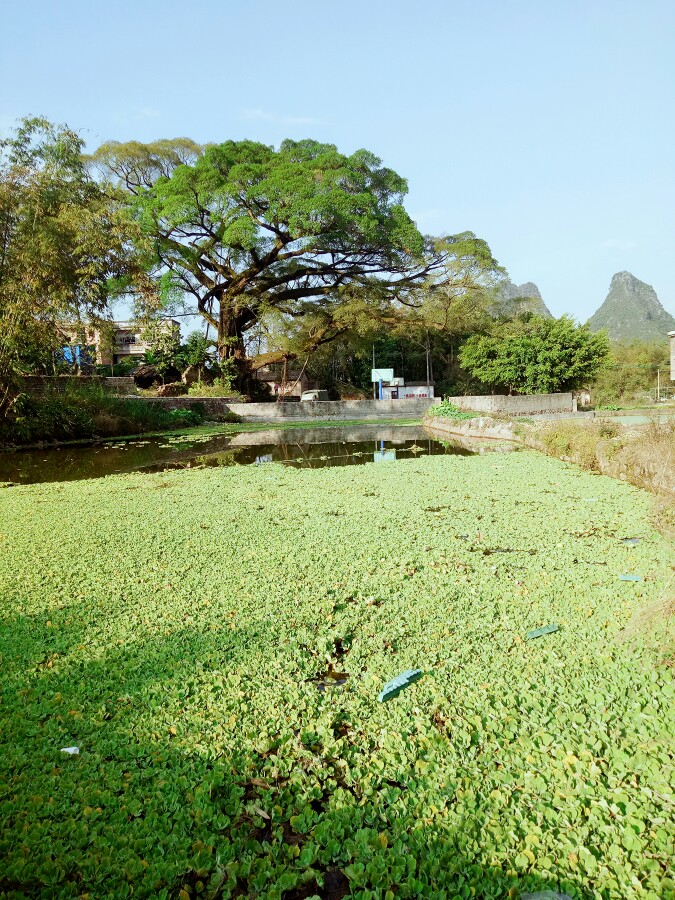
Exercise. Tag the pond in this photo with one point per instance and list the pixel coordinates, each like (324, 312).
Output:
(298, 447)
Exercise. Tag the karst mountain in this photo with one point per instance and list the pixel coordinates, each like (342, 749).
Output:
(515, 299)
(632, 311)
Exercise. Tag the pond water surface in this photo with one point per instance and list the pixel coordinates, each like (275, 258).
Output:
(301, 447)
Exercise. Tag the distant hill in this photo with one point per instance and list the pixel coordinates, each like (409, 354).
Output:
(632, 311)
(520, 298)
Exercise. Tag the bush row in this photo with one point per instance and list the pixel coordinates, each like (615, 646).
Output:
(83, 412)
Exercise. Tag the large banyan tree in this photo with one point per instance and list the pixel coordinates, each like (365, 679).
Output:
(246, 230)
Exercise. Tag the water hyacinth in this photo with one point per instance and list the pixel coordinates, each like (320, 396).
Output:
(175, 626)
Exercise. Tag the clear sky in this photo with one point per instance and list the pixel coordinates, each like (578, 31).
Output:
(547, 127)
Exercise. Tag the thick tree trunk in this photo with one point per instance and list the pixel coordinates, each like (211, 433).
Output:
(233, 321)
(231, 345)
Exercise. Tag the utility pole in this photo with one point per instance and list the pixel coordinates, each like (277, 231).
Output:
(374, 383)
(427, 349)
(658, 385)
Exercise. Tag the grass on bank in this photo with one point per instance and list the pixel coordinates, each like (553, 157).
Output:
(645, 454)
(187, 630)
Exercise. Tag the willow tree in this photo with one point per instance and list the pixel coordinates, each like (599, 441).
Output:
(246, 230)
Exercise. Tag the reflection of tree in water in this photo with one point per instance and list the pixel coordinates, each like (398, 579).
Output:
(227, 458)
(160, 454)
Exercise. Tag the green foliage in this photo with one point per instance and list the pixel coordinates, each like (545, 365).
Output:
(83, 412)
(304, 231)
(630, 374)
(120, 369)
(577, 440)
(196, 351)
(49, 418)
(219, 387)
(65, 248)
(175, 629)
(164, 346)
(532, 355)
(447, 410)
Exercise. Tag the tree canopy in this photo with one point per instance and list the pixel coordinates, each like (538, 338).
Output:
(64, 244)
(532, 355)
(303, 232)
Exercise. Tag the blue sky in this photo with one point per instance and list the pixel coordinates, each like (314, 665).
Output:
(545, 127)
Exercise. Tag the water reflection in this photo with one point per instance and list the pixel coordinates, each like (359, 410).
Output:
(299, 448)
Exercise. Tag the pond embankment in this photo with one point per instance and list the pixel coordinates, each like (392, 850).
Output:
(643, 455)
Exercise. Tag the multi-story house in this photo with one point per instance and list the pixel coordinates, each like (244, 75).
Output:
(111, 344)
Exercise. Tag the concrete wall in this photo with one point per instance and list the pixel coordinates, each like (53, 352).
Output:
(530, 404)
(480, 427)
(217, 407)
(334, 409)
(41, 385)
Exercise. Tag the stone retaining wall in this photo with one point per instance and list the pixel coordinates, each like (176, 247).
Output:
(213, 407)
(481, 427)
(218, 407)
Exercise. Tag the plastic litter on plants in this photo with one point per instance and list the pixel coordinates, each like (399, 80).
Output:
(393, 687)
(630, 578)
(72, 751)
(545, 895)
(630, 541)
(538, 632)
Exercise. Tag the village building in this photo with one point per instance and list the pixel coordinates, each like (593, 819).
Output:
(407, 390)
(388, 387)
(111, 343)
(289, 385)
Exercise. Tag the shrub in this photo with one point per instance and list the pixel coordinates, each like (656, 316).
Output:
(221, 387)
(50, 418)
(448, 410)
(120, 369)
(82, 412)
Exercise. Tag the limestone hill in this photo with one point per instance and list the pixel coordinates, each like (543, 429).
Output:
(632, 311)
(520, 298)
